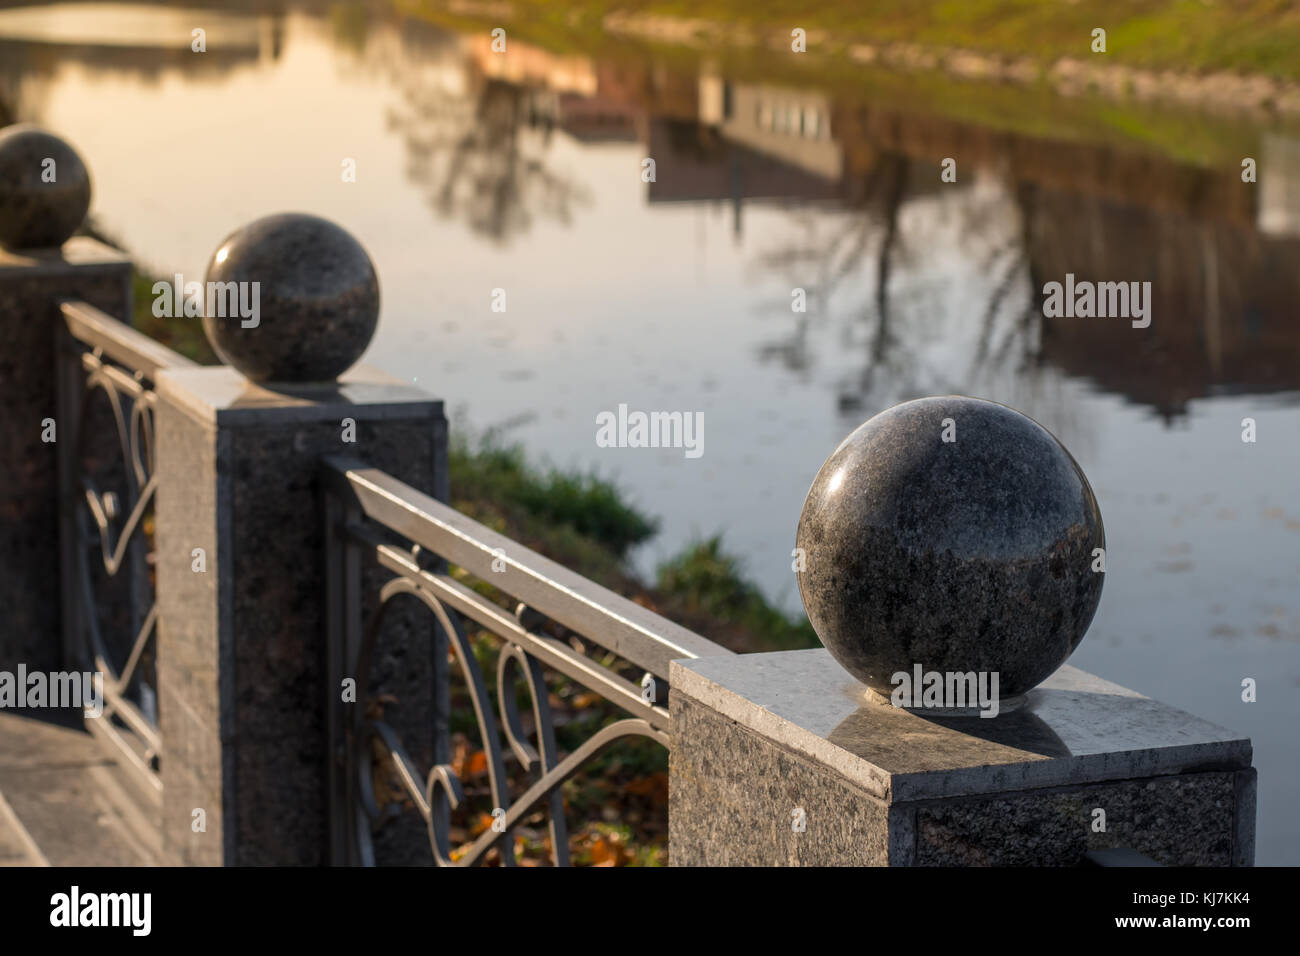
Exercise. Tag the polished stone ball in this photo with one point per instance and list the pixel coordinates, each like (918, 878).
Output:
(44, 189)
(304, 305)
(968, 554)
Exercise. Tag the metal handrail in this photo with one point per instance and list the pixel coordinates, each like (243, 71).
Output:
(118, 341)
(634, 633)
(363, 508)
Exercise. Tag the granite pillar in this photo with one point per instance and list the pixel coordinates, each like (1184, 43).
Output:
(241, 656)
(781, 759)
(31, 284)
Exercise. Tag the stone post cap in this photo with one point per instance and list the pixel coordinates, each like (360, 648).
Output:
(44, 188)
(292, 299)
(951, 535)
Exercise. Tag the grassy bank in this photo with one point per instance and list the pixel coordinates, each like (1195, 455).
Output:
(582, 521)
(1246, 36)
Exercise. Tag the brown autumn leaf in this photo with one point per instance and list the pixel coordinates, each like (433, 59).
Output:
(604, 853)
(645, 601)
(654, 786)
(466, 762)
(459, 752)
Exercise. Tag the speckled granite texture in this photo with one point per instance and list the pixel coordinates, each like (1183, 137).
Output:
(734, 795)
(30, 286)
(44, 189)
(756, 736)
(318, 299)
(1177, 821)
(967, 555)
(241, 652)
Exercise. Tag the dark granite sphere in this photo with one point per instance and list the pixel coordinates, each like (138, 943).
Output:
(316, 298)
(36, 213)
(974, 554)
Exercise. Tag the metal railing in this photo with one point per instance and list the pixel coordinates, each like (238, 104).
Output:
(364, 509)
(110, 616)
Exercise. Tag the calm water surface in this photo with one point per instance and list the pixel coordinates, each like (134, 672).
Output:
(476, 173)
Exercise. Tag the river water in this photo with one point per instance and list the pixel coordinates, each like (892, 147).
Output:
(476, 173)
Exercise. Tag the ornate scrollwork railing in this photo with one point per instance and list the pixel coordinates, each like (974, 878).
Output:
(365, 510)
(106, 372)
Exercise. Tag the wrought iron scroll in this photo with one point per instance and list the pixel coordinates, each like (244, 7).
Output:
(526, 652)
(104, 364)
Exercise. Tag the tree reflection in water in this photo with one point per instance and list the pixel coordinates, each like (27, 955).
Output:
(482, 157)
(864, 271)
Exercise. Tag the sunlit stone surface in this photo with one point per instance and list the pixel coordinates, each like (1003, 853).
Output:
(44, 188)
(316, 298)
(972, 554)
